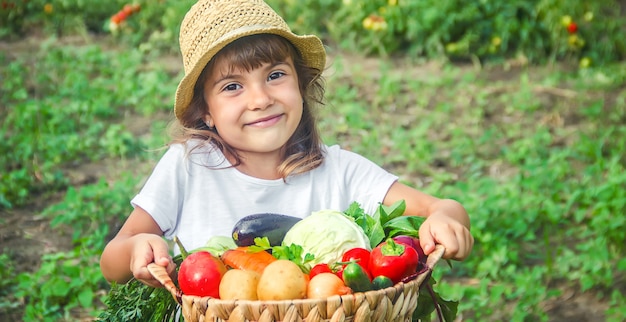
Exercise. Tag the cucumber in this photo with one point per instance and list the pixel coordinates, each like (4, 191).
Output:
(355, 277)
(380, 282)
(272, 226)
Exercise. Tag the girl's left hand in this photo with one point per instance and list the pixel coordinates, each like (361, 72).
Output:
(439, 228)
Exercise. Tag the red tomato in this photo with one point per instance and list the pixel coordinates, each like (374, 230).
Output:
(360, 255)
(394, 260)
(200, 274)
(572, 28)
(121, 16)
(128, 9)
(319, 268)
(116, 19)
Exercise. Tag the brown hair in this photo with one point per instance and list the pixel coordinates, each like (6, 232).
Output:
(303, 151)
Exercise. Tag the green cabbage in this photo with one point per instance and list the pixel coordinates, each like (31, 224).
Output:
(326, 234)
(217, 245)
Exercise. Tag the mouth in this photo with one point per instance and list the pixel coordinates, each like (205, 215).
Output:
(266, 121)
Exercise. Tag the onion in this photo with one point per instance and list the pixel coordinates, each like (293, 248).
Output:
(414, 243)
(324, 285)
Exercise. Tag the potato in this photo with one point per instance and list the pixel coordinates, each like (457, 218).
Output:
(238, 284)
(282, 280)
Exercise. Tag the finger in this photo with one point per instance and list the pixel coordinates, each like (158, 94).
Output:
(171, 267)
(427, 241)
(461, 242)
(161, 254)
(470, 244)
(163, 260)
(466, 242)
(451, 243)
(142, 273)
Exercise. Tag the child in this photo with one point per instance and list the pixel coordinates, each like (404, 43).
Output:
(247, 143)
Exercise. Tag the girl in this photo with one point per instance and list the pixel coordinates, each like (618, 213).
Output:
(247, 143)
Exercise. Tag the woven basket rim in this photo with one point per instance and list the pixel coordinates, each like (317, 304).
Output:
(397, 287)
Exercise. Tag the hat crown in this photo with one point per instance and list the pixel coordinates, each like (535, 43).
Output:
(210, 21)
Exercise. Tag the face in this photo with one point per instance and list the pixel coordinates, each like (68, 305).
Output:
(256, 111)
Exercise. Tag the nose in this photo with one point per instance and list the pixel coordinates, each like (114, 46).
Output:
(260, 97)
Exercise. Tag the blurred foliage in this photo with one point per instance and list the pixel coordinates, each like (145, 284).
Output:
(537, 31)
(60, 113)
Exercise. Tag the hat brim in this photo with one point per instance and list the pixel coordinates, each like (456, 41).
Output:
(310, 48)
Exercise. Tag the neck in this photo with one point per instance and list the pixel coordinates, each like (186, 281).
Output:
(262, 166)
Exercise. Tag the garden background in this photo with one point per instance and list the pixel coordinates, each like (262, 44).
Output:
(515, 108)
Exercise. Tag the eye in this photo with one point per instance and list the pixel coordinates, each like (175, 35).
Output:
(275, 75)
(231, 87)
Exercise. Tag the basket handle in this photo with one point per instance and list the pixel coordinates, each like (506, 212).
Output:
(435, 256)
(161, 275)
(431, 261)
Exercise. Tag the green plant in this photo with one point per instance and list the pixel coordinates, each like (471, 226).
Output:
(7, 287)
(64, 281)
(61, 110)
(71, 280)
(89, 211)
(534, 30)
(153, 29)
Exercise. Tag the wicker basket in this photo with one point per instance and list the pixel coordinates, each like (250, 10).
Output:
(395, 303)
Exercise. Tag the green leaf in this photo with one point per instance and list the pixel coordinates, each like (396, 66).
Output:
(449, 309)
(85, 298)
(359, 216)
(217, 245)
(388, 213)
(292, 252)
(426, 304)
(371, 225)
(58, 287)
(376, 234)
(260, 244)
(405, 225)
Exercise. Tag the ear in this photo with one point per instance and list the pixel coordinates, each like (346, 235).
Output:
(208, 120)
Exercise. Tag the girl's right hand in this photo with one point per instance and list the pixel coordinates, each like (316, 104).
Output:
(149, 248)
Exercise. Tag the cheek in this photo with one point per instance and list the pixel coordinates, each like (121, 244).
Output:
(225, 117)
(215, 111)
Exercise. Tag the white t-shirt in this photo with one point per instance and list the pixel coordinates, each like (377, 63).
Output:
(194, 202)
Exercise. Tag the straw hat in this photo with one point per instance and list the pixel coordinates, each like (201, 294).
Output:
(210, 25)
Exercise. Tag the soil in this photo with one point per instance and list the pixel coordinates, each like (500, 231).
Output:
(29, 236)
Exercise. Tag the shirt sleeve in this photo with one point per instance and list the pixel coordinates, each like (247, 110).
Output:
(162, 194)
(366, 182)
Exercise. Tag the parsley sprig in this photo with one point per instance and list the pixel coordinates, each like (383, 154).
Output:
(293, 252)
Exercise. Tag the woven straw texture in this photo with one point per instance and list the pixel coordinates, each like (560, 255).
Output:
(395, 303)
(210, 25)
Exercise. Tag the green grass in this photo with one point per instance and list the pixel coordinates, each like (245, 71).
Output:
(536, 155)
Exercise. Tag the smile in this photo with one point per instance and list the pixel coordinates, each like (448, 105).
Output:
(266, 121)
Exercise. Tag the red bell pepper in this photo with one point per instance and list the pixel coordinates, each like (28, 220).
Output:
(394, 260)
(414, 242)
